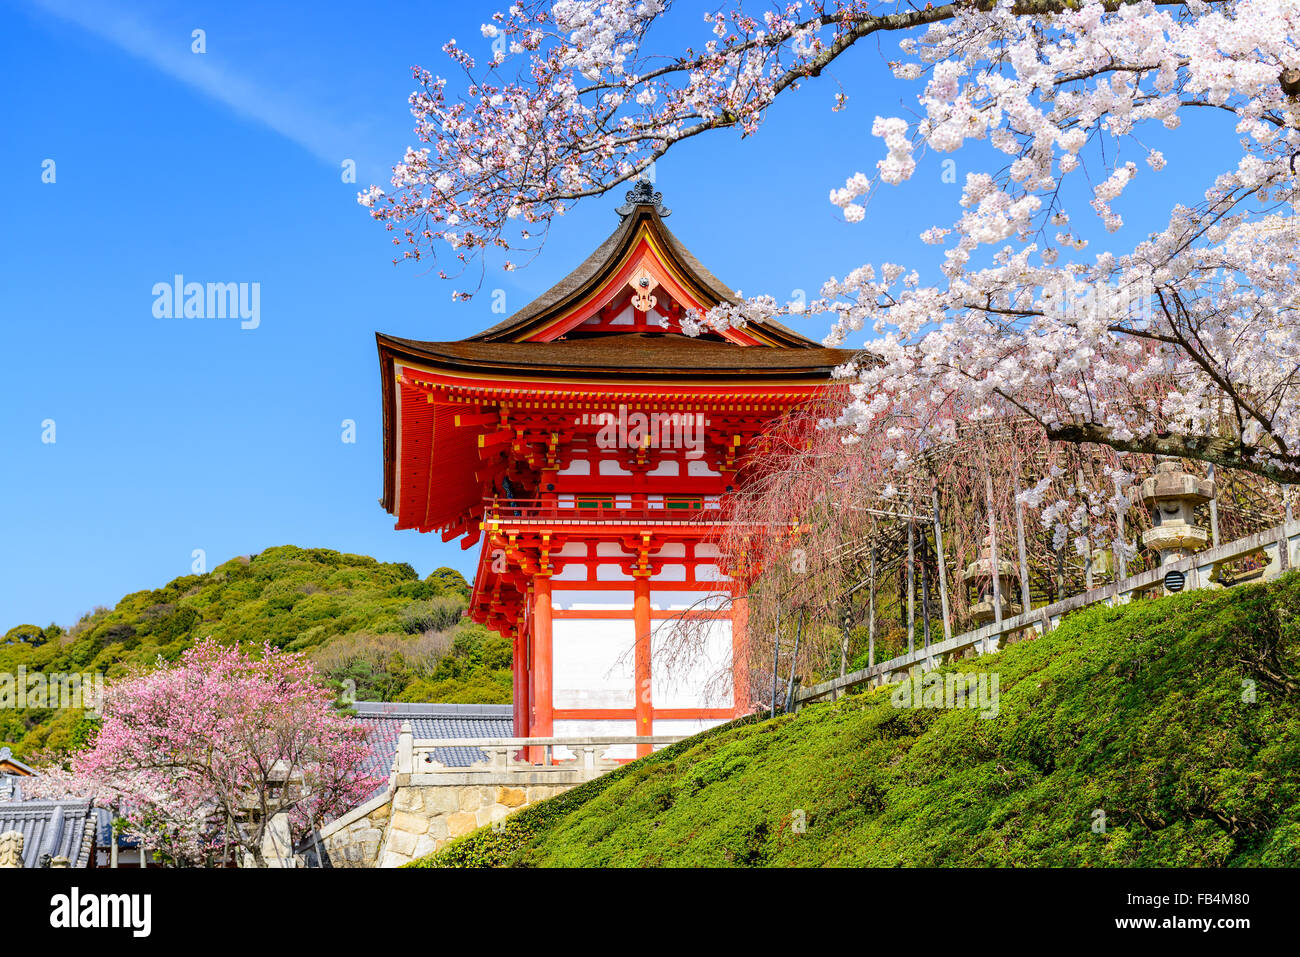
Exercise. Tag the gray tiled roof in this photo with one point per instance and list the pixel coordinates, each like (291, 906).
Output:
(57, 828)
(383, 719)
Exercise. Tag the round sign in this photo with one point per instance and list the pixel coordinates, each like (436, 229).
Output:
(1175, 580)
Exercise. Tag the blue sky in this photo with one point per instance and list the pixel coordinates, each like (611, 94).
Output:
(179, 434)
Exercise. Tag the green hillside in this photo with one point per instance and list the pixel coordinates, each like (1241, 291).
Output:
(396, 636)
(1177, 718)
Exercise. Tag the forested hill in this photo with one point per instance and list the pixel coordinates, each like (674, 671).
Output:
(397, 636)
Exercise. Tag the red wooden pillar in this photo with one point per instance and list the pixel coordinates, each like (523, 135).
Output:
(543, 717)
(644, 703)
(520, 668)
(740, 654)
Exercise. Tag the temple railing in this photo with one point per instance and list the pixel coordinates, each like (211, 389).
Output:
(574, 509)
(560, 760)
(1278, 547)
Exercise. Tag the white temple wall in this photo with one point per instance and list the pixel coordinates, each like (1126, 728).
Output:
(592, 663)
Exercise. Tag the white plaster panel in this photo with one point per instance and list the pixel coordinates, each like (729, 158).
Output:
(664, 600)
(707, 572)
(579, 600)
(592, 663)
(611, 573)
(698, 679)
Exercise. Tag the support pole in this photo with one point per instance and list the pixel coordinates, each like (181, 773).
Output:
(1121, 563)
(1060, 573)
(776, 659)
(871, 613)
(794, 663)
(911, 586)
(740, 681)
(543, 711)
(1087, 536)
(993, 554)
(925, 601)
(520, 669)
(1214, 509)
(1022, 553)
(943, 573)
(641, 662)
(845, 621)
(993, 549)
(1283, 543)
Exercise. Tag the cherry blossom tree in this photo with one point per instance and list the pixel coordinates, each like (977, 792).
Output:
(1183, 342)
(823, 531)
(210, 752)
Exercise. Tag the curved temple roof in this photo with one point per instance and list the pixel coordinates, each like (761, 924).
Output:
(612, 324)
(663, 356)
(604, 262)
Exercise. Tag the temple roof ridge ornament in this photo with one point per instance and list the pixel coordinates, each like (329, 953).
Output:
(643, 193)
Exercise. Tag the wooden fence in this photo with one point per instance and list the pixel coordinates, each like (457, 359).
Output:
(1205, 569)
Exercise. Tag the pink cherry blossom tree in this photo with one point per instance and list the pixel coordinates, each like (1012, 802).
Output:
(203, 754)
(1183, 342)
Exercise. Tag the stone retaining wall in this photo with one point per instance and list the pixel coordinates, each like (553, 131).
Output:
(414, 820)
(426, 817)
(355, 839)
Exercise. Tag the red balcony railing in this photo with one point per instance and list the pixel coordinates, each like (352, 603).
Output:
(575, 507)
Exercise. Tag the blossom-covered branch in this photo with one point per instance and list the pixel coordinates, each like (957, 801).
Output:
(1185, 342)
(592, 106)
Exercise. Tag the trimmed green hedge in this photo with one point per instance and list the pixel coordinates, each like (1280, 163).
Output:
(1177, 719)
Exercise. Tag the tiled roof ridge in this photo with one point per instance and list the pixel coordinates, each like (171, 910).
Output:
(33, 807)
(395, 709)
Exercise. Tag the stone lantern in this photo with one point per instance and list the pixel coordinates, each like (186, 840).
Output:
(979, 577)
(1172, 495)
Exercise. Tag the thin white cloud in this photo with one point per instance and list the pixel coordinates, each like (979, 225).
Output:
(299, 122)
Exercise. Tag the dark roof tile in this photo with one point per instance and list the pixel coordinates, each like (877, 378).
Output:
(383, 720)
(58, 828)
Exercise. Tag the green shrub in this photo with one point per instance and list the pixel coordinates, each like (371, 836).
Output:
(1175, 722)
